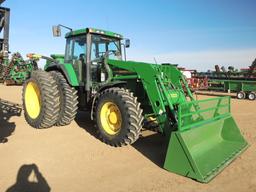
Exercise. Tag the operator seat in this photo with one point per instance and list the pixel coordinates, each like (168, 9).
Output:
(79, 66)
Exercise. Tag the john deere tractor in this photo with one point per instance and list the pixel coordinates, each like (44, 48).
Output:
(94, 75)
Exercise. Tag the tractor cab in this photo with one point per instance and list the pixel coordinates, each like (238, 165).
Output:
(86, 50)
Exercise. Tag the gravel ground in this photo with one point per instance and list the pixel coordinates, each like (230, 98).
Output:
(70, 158)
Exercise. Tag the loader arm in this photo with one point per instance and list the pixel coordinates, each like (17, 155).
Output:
(163, 96)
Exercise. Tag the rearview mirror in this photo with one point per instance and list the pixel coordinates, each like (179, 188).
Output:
(127, 43)
(56, 30)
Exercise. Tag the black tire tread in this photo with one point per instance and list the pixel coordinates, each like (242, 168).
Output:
(134, 115)
(68, 100)
(50, 104)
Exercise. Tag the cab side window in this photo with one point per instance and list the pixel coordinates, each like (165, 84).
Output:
(75, 49)
(79, 50)
(76, 55)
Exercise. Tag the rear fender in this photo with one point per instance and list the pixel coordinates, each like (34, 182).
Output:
(67, 70)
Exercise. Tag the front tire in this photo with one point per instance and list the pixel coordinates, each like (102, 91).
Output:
(118, 117)
(41, 100)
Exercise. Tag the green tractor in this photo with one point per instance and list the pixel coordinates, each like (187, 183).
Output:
(203, 138)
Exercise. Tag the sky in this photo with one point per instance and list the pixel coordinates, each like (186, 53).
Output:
(196, 34)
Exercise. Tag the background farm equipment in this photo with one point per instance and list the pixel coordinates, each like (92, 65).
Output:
(194, 82)
(242, 82)
(202, 136)
(16, 70)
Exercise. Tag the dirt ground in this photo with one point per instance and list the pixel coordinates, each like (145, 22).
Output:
(71, 158)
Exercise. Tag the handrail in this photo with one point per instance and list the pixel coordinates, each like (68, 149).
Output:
(184, 124)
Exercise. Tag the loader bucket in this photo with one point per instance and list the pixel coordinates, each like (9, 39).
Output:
(206, 141)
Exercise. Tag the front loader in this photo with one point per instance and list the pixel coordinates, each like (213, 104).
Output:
(203, 138)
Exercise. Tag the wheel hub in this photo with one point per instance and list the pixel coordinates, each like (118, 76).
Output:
(32, 100)
(251, 96)
(111, 118)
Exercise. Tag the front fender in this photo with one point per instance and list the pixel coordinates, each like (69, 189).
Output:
(112, 84)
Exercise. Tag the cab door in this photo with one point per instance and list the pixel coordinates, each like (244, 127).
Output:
(76, 55)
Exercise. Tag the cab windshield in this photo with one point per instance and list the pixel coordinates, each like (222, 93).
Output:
(102, 45)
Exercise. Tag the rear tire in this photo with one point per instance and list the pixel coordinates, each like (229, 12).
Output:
(240, 95)
(252, 96)
(118, 117)
(41, 100)
(68, 100)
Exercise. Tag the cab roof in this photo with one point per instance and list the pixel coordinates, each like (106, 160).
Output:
(93, 31)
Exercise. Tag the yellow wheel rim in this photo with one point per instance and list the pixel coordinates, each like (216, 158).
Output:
(111, 118)
(32, 100)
